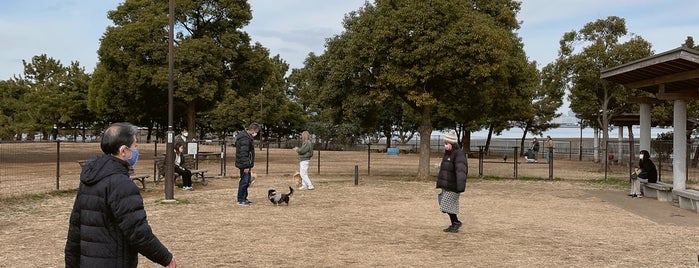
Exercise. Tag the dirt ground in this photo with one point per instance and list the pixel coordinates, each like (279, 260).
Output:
(387, 220)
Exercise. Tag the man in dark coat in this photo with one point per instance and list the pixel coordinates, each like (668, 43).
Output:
(245, 160)
(108, 224)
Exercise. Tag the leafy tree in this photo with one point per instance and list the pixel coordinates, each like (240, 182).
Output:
(212, 56)
(10, 106)
(53, 95)
(322, 100)
(593, 99)
(420, 53)
(280, 115)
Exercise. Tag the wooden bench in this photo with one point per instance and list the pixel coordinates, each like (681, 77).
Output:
(197, 174)
(660, 190)
(132, 174)
(689, 199)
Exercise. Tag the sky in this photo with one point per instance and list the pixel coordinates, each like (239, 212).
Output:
(70, 30)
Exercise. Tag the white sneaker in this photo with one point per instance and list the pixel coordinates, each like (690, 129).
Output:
(303, 187)
(311, 188)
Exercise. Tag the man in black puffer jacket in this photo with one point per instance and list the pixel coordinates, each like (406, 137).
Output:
(108, 225)
(245, 160)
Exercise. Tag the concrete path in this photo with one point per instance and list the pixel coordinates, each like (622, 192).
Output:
(663, 213)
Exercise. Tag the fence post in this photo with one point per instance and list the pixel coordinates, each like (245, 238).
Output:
(318, 161)
(570, 150)
(551, 163)
(223, 157)
(480, 161)
(267, 160)
(58, 164)
(368, 162)
(356, 175)
(155, 154)
(516, 158)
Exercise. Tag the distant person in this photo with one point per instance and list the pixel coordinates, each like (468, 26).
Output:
(180, 169)
(645, 173)
(305, 153)
(549, 149)
(108, 224)
(535, 148)
(529, 156)
(452, 180)
(182, 139)
(245, 160)
(54, 133)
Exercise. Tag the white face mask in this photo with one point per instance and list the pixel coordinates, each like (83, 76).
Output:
(254, 134)
(640, 156)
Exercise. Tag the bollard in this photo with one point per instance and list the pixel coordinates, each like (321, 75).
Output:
(356, 175)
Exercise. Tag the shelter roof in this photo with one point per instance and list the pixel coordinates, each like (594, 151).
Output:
(635, 119)
(671, 74)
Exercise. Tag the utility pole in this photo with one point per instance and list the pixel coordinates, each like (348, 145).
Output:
(169, 148)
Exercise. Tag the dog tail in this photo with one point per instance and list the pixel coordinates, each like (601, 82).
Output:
(291, 191)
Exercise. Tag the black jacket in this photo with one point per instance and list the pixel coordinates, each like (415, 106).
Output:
(244, 151)
(648, 170)
(453, 172)
(108, 225)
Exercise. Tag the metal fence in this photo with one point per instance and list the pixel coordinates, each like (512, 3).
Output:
(39, 167)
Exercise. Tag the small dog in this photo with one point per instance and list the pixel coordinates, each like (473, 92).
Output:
(297, 179)
(277, 198)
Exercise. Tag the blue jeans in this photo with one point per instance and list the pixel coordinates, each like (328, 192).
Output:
(243, 185)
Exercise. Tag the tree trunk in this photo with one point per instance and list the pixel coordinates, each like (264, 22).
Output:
(487, 140)
(389, 136)
(466, 141)
(425, 129)
(191, 126)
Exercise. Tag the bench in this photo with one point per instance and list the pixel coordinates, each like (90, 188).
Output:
(660, 190)
(689, 199)
(197, 174)
(132, 174)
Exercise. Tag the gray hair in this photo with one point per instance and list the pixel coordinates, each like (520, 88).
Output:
(116, 135)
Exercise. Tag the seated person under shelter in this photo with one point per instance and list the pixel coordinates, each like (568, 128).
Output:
(644, 173)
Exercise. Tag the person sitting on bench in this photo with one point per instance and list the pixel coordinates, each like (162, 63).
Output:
(180, 169)
(530, 156)
(645, 173)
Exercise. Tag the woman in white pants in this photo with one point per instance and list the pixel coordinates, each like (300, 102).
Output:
(645, 173)
(305, 153)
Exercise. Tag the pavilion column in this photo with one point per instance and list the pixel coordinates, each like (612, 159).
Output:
(679, 145)
(645, 126)
(621, 141)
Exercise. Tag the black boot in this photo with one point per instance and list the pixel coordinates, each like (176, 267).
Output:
(453, 228)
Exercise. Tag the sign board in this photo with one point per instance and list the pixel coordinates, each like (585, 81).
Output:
(192, 148)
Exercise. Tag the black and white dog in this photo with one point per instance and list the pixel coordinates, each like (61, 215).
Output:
(278, 198)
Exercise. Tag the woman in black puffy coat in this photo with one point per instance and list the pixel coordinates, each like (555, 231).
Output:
(452, 180)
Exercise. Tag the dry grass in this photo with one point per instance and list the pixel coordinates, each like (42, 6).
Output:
(388, 220)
